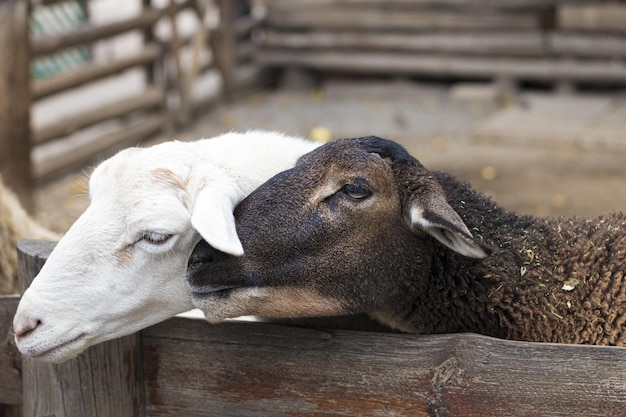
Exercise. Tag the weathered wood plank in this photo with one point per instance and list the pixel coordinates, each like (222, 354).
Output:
(81, 153)
(148, 100)
(604, 17)
(90, 72)
(106, 380)
(222, 43)
(510, 43)
(52, 43)
(416, 4)
(256, 369)
(10, 361)
(15, 100)
(541, 69)
(503, 43)
(587, 45)
(347, 19)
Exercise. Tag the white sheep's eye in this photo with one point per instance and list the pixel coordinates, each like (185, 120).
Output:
(355, 191)
(155, 238)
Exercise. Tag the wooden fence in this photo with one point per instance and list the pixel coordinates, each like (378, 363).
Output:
(563, 42)
(551, 41)
(191, 368)
(167, 100)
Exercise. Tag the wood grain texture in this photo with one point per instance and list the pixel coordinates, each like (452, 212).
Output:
(603, 17)
(354, 18)
(15, 165)
(90, 72)
(507, 42)
(418, 4)
(538, 69)
(10, 362)
(255, 369)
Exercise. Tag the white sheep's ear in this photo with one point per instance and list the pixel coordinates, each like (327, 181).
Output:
(438, 219)
(213, 218)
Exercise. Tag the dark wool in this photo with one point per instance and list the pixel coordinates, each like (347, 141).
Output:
(549, 280)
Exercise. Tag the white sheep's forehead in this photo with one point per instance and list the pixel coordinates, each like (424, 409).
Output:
(143, 170)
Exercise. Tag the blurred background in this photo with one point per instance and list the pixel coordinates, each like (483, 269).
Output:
(524, 98)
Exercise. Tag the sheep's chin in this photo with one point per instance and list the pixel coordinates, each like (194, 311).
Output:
(225, 304)
(60, 352)
(270, 302)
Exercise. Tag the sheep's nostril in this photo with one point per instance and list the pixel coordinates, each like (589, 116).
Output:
(204, 253)
(24, 329)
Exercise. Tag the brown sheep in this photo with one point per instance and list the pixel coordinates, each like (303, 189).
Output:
(360, 226)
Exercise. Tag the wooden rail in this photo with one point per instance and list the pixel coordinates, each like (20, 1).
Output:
(52, 43)
(559, 42)
(90, 72)
(10, 361)
(152, 110)
(188, 367)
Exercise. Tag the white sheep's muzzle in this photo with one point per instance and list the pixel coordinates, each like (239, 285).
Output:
(82, 298)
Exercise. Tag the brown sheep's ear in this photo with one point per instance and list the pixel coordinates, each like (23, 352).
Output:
(437, 218)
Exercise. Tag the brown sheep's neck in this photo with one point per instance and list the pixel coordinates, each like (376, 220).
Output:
(556, 280)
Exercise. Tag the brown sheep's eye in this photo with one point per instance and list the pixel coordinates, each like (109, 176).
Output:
(357, 192)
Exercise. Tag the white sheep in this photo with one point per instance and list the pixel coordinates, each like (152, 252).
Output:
(360, 226)
(121, 266)
(15, 224)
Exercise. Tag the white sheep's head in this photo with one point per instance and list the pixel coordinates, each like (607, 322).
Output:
(121, 266)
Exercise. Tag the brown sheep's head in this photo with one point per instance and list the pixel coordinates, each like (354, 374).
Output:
(345, 231)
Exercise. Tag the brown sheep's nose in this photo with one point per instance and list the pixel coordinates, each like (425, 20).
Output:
(204, 253)
(26, 327)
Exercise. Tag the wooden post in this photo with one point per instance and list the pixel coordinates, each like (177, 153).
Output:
(182, 115)
(224, 47)
(106, 380)
(10, 362)
(15, 146)
(148, 39)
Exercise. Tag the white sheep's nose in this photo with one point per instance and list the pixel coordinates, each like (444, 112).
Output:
(24, 327)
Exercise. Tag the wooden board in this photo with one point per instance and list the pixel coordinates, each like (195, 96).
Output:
(79, 154)
(345, 19)
(15, 100)
(90, 72)
(539, 69)
(417, 4)
(487, 43)
(51, 43)
(150, 99)
(255, 369)
(509, 43)
(10, 362)
(603, 17)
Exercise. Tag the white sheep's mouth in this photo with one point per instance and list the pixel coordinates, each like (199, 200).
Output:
(59, 352)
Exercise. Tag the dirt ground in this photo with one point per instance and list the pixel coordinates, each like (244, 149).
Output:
(548, 180)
